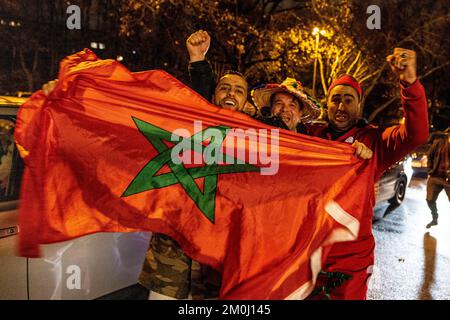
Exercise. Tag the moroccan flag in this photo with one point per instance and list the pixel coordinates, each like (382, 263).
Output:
(114, 151)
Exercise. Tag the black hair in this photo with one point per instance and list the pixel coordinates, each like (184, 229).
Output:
(236, 73)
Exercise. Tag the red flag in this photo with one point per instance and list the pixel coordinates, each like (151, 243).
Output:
(99, 158)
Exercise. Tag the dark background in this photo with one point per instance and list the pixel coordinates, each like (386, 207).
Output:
(265, 40)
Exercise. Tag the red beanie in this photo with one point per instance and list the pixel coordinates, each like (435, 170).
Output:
(347, 80)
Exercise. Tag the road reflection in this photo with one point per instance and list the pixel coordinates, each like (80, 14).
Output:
(411, 262)
(429, 252)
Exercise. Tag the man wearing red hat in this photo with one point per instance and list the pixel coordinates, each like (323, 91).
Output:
(351, 263)
(288, 106)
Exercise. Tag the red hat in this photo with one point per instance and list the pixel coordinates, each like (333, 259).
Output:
(347, 80)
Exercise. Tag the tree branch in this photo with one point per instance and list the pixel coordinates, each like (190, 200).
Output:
(322, 76)
(368, 76)
(431, 22)
(374, 82)
(379, 109)
(354, 62)
(35, 60)
(251, 63)
(434, 69)
(299, 7)
(22, 61)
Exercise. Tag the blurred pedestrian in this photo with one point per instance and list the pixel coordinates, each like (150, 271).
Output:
(439, 172)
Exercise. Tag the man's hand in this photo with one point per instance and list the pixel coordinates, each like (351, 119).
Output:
(197, 45)
(361, 151)
(403, 63)
(49, 86)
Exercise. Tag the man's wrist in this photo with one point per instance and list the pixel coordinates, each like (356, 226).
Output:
(408, 83)
(196, 58)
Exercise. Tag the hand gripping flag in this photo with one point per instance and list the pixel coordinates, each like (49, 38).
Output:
(99, 155)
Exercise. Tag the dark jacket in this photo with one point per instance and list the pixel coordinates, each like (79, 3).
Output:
(202, 79)
(439, 158)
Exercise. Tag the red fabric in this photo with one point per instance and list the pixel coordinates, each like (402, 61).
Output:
(346, 80)
(389, 145)
(82, 149)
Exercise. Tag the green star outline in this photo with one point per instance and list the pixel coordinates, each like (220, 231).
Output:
(147, 180)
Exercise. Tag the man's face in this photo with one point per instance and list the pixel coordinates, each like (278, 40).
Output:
(343, 107)
(287, 108)
(231, 92)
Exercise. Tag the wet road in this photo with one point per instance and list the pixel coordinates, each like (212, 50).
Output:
(411, 262)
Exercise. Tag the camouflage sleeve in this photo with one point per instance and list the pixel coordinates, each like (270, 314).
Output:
(168, 271)
(166, 268)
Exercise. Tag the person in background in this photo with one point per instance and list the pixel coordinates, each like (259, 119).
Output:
(438, 172)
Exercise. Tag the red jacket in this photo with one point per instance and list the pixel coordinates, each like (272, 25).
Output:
(388, 145)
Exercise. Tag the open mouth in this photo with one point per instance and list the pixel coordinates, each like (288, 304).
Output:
(229, 103)
(285, 117)
(341, 117)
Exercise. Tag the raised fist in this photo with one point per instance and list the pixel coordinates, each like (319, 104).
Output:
(403, 63)
(197, 45)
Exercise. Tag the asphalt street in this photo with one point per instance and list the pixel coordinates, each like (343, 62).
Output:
(411, 261)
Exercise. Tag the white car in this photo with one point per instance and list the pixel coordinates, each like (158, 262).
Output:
(89, 267)
(394, 182)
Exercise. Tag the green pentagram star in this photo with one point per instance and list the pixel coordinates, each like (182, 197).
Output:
(147, 179)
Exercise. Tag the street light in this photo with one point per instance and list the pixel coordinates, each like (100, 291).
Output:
(316, 32)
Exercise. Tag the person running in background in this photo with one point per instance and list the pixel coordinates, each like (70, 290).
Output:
(438, 172)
